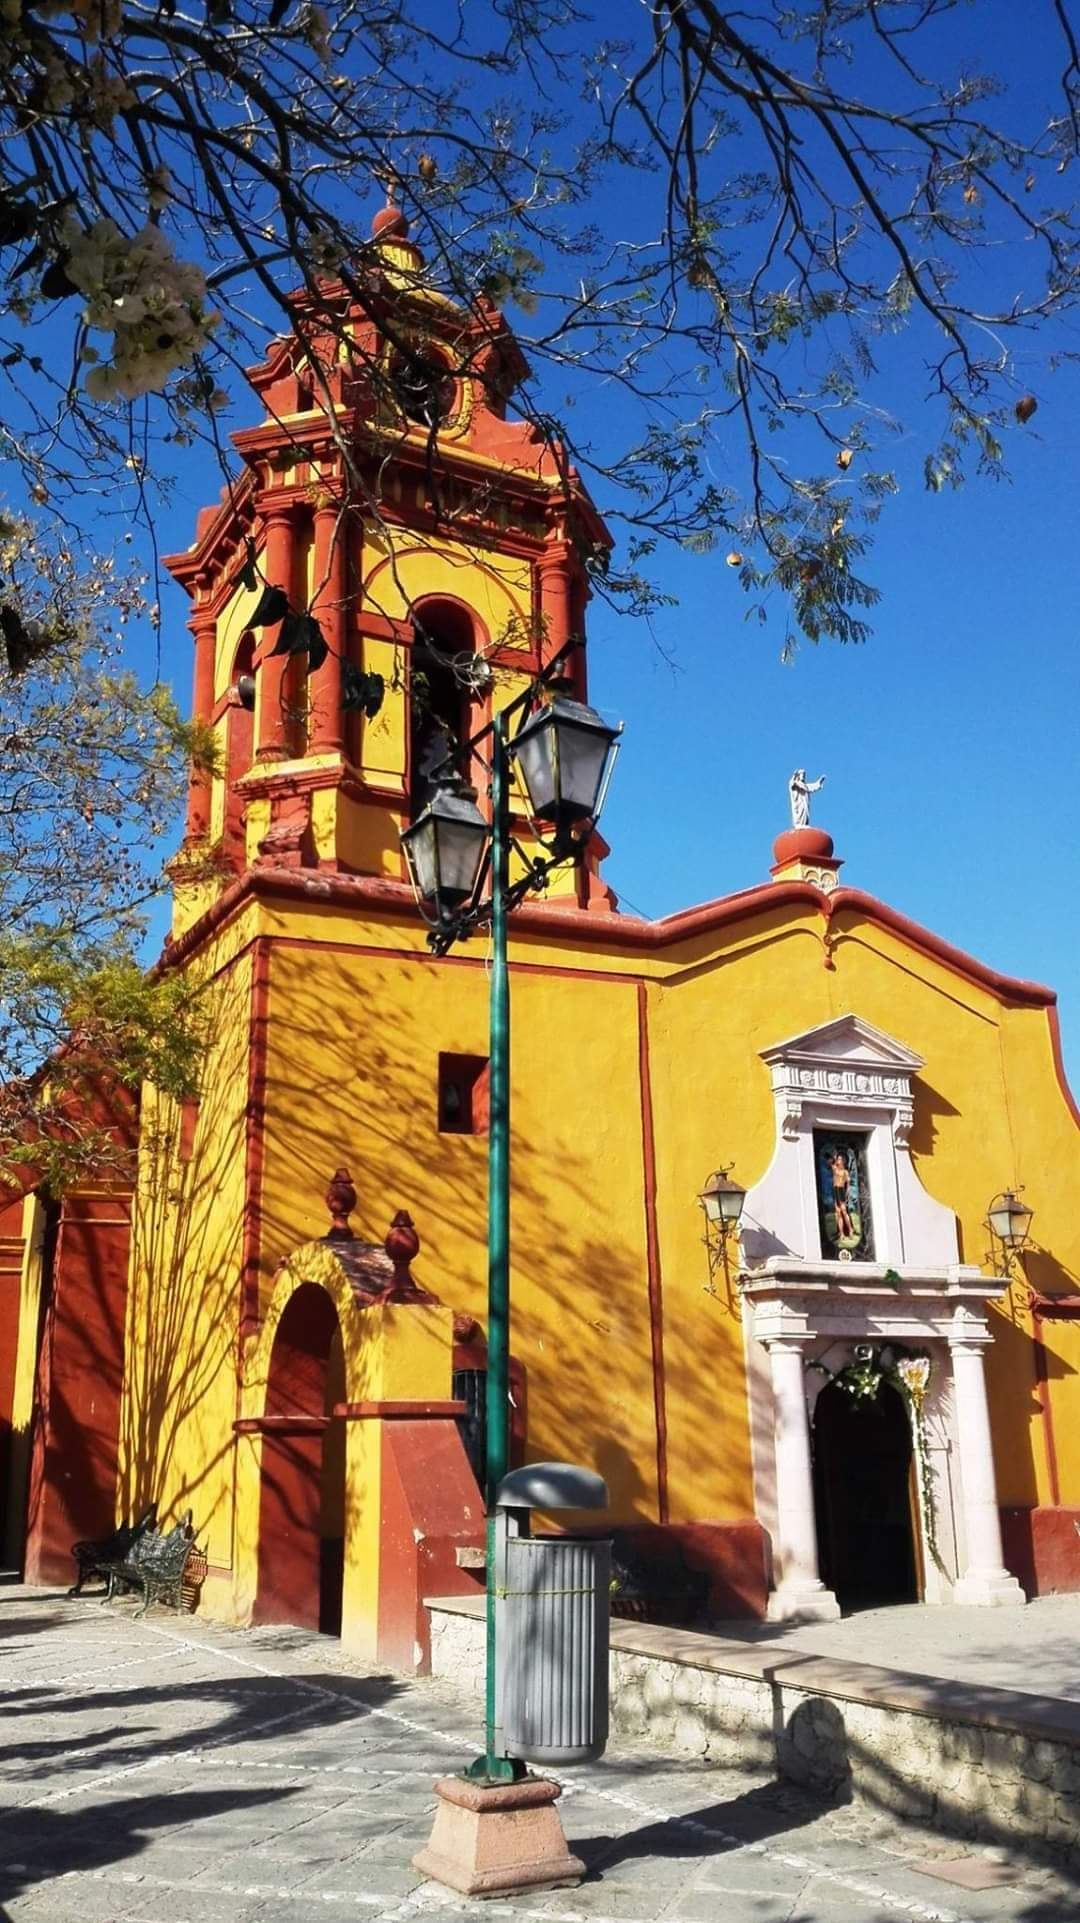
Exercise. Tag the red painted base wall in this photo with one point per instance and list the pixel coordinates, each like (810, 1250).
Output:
(730, 1556)
(11, 1254)
(431, 1507)
(1042, 1549)
(77, 1405)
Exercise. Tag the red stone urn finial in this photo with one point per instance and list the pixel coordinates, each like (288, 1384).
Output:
(402, 1244)
(341, 1201)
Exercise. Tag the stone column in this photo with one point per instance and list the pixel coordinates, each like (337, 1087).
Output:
(985, 1580)
(326, 733)
(274, 727)
(203, 626)
(800, 1594)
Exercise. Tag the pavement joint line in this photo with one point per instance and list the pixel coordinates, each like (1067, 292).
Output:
(77, 1675)
(323, 1769)
(912, 1906)
(170, 1754)
(789, 1859)
(146, 1879)
(425, 1897)
(303, 1683)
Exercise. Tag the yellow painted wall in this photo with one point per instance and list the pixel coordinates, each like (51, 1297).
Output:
(180, 1391)
(359, 1012)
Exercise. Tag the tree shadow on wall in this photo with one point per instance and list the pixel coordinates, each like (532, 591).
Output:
(177, 1443)
(580, 1285)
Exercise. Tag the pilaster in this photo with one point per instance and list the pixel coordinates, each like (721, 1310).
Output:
(279, 568)
(985, 1580)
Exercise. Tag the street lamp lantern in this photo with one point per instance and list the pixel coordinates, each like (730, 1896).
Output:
(564, 755)
(445, 848)
(1010, 1219)
(722, 1199)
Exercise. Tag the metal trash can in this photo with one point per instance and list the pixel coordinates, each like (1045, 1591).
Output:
(552, 1607)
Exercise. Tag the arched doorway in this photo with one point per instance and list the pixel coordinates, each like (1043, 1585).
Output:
(302, 1482)
(863, 1496)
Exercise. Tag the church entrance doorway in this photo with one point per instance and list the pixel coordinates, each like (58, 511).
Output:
(302, 1482)
(864, 1497)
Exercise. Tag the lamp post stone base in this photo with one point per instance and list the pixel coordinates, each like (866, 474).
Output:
(490, 1839)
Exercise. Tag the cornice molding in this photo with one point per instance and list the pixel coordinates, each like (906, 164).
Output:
(617, 930)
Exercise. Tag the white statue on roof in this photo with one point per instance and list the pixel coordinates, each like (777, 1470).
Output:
(800, 791)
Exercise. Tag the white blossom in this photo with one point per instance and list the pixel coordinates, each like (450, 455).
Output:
(151, 303)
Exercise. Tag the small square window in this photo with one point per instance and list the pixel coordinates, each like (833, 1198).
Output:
(463, 1094)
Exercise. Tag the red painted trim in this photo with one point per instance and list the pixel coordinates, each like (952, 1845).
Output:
(280, 1425)
(1007, 988)
(1054, 1025)
(373, 893)
(652, 1245)
(390, 1411)
(620, 931)
(254, 1139)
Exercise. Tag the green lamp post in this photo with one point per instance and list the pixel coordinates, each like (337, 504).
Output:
(563, 753)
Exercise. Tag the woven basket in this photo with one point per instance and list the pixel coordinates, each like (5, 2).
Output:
(194, 1576)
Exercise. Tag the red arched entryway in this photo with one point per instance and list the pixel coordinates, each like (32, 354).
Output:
(302, 1485)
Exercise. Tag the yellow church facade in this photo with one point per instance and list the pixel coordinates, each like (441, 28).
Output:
(857, 1384)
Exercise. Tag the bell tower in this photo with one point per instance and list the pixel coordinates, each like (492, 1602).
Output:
(395, 561)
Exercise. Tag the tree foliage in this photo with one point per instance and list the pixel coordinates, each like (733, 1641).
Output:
(755, 227)
(731, 240)
(92, 768)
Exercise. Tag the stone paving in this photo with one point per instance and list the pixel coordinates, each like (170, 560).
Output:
(1034, 1648)
(170, 1771)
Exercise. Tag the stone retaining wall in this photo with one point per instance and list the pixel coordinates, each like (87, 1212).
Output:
(983, 1763)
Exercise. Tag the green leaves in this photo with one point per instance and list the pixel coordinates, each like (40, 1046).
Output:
(93, 767)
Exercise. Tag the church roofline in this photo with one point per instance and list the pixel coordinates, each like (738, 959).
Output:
(616, 931)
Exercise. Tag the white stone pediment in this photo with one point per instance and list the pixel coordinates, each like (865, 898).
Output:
(845, 1074)
(843, 1062)
(846, 1039)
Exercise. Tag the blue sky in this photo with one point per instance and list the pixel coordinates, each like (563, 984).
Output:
(948, 741)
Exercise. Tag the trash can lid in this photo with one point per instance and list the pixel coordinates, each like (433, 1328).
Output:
(552, 1485)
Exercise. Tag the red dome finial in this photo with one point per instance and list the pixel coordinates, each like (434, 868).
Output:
(390, 223)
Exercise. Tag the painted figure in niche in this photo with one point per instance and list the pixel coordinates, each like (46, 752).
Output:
(843, 1200)
(841, 1190)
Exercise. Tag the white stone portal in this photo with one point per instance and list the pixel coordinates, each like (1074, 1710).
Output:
(799, 1308)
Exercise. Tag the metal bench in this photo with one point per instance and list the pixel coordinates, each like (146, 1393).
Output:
(155, 1565)
(97, 1558)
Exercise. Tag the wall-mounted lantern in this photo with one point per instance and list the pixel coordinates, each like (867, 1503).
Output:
(721, 1202)
(1009, 1221)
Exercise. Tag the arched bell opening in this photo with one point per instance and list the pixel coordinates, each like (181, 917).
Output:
(443, 704)
(865, 1498)
(302, 1479)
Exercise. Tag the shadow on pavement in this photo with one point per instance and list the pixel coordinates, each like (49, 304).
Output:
(43, 1844)
(768, 1810)
(248, 1704)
